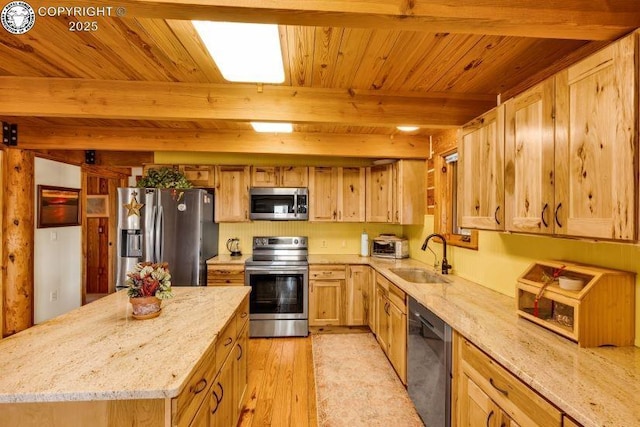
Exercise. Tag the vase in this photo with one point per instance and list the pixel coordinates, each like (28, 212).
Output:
(145, 307)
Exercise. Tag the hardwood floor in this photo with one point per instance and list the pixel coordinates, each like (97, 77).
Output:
(281, 385)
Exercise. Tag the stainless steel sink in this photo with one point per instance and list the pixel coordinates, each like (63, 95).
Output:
(419, 275)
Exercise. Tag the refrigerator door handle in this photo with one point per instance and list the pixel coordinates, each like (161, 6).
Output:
(159, 234)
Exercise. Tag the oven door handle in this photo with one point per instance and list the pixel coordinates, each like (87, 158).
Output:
(276, 270)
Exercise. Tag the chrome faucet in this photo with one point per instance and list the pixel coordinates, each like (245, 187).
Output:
(445, 265)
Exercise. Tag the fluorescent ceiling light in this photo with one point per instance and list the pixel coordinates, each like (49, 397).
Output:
(407, 128)
(244, 52)
(272, 127)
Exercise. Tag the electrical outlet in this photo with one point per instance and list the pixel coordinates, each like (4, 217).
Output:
(323, 243)
(344, 243)
(53, 296)
(54, 236)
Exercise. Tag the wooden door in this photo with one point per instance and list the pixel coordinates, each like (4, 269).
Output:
(264, 176)
(199, 176)
(240, 354)
(379, 193)
(323, 185)
(596, 145)
(410, 180)
(325, 302)
(351, 194)
(398, 341)
(529, 160)
(480, 172)
(224, 411)
(382, 318)
(476, 409)
(357, 293)
(97, 238)
(232, 194)
(294, 176)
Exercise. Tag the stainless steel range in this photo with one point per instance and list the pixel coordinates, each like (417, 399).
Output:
(278, 273)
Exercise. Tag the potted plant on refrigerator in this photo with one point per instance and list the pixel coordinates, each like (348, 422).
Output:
(148, 284)
(164, 177)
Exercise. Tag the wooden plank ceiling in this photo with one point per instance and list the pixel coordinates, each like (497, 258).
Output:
(368, 58)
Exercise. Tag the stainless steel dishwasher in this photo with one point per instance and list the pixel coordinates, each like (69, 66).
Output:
(429, 365)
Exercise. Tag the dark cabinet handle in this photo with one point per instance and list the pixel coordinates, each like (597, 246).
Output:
(239, 355)
(489, 418)
(495, 215)
(546, 205)
(221, 392)
(556, 214)
(501, 390)
(199, 387)
(215, 397)
(228, 341)
(243, 315)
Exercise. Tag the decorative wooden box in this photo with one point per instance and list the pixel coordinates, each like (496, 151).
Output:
(601, 313)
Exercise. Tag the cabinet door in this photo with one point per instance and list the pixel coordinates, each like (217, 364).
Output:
(203, 416)
(232, 194)
(596, 145)
(351, 194)
(410, 179)
(325, 302)
(323, 183)
(480, 174)
(357, 295)
(476, 409)
(223, 410)
(529, 160)
(240, 369)
(379, 193)
(264, 176)
(199, 176)
(398, 341)
(382, 318)
(294, 176)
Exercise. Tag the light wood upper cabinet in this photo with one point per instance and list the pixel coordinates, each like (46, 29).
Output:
(410, 177)
(379, 199)
(481, 171)
(336, 194)
(323, 200)
(199, 175)
(279, 176)
(596, 145)
(232, 194)
(529, 160)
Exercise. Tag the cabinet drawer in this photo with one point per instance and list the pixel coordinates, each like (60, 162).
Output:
(196, 390)
(398, 298)
(383, 282)
(242, 315)
(522, 404)
(327, 272)
(225, 342)
(225, 274)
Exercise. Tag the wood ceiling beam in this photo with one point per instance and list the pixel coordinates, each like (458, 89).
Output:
(153, 139)
(84, 98)
(567, 19)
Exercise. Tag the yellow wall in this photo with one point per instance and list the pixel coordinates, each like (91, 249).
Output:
(502, 257)
(339, 238)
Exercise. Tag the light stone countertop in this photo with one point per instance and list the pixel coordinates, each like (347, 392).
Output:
(595, 386)
(228, 259)
(99, 352)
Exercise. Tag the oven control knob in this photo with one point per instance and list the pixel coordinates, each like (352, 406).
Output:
(295, 241)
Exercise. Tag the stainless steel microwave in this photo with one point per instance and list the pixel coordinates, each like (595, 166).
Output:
(279, 204)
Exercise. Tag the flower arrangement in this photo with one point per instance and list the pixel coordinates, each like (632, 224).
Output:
(149, 279)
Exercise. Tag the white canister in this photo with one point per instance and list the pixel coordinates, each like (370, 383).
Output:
(364, 244)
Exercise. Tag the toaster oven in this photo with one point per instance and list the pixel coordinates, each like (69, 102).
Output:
(390, 246)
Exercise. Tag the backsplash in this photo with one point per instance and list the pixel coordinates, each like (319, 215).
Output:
(324, 238)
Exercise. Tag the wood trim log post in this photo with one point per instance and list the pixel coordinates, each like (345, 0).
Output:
(18, 225)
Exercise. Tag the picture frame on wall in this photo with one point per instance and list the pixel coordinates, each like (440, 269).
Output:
(97, 205)
(58, 206)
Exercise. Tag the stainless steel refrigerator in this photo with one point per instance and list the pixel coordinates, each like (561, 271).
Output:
(166, 225)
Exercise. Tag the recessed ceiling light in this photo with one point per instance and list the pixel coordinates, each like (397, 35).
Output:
(272, 127)
(249, 53)
(407, 128)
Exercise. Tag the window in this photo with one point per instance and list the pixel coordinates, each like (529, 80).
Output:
(445, 219)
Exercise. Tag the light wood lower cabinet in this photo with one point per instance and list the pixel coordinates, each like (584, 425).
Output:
(391, 324)
(326, 289)
(486, 394)
(357, 299)
(225, 274)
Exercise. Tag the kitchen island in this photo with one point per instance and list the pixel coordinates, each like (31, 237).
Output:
(98, 366)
